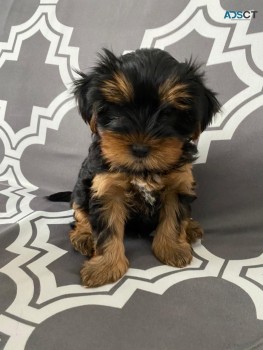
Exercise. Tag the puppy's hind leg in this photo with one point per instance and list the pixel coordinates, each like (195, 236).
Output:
(193, 231)
(81, 236)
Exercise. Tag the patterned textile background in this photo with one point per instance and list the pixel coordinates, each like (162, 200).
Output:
(216, 302)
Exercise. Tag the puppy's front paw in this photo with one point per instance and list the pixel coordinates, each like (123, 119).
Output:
(99, 271)
(177, 254)
(83, 242)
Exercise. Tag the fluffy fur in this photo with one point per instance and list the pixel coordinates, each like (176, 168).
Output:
(145, 110)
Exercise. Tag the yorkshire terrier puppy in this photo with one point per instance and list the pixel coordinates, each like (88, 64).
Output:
(145, 110)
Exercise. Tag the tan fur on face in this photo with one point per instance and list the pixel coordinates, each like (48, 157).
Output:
(118, 89)
(175, 93)
(163, 154)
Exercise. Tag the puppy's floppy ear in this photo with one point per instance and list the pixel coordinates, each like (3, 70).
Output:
(207, 104)
(211, 106)
(81, 91)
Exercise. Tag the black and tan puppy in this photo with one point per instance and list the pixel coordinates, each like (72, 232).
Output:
(145, 109)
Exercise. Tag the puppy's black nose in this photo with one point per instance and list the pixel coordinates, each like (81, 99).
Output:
(139, 150)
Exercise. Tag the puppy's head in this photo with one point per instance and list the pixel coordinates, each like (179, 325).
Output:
(144, 106)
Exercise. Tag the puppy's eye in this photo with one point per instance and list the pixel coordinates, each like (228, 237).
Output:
(116, 123)
(102, 109)
(117, 118)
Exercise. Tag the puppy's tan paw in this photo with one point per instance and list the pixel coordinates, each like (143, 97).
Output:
(83, 242)
(194, 231)
(97, 271)
(173, 253)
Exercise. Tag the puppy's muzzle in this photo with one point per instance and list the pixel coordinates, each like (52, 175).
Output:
(140, 150)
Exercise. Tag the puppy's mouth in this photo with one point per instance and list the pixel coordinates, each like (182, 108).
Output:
(139, 153)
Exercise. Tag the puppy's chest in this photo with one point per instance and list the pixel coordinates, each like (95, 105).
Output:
(146, 193)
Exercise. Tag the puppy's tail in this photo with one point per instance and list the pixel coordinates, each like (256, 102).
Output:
(60, 197)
